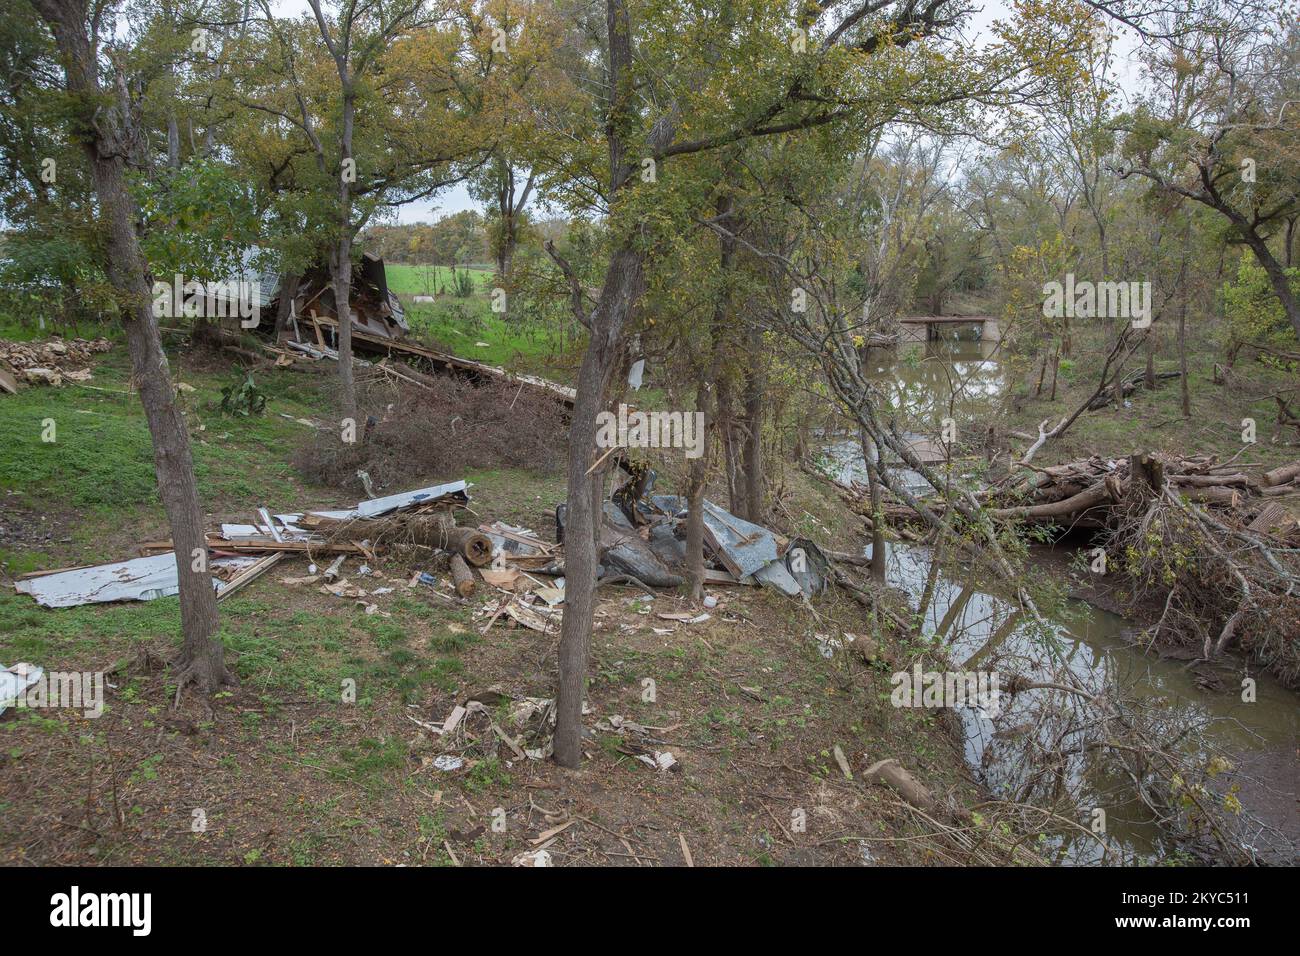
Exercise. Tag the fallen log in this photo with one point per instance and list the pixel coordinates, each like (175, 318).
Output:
(462, 576)
(1238, 480)
(1280, 491)
(890, 773)
(1212, 496)
(1099, 494)
(432, 531)
(1127, 388)
(1283, 474)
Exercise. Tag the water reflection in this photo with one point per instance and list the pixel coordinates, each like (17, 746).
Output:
(961, 377)
(982, 630)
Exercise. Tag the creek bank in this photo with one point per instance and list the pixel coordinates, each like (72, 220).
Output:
(981, 628)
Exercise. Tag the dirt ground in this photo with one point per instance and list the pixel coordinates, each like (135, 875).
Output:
(744, 702)
(289, 769)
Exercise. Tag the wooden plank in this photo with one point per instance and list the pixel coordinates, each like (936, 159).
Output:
(1270, 518)
(28, 575)
(250, 574)
(714, 576)
(258, 545)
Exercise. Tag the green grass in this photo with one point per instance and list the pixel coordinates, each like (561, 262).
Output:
(459, 325)
(32, 633)
(16, 330)
(425, 280)
(277, 652)
(1154, 420)
(90, 448)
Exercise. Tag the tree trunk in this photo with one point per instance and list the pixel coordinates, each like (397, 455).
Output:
(202, 658)
(879, 546)
(341, 280)
(622, 286)
(705, 402)
(1182, 324)
(727, 434)
(341, 257)
(173, 143)
(284, 307)
(1149, 376)
(695, 526)
(755, 386)
(1276, 275)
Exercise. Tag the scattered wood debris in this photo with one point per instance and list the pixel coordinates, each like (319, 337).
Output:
(50, 363)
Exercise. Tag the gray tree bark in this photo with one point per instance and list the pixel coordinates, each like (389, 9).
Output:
(104, 134)
(623, 284)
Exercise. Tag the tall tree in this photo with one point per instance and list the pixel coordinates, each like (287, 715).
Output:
(379, 108)
(104, 122)
(672, 89)
(1222, 131)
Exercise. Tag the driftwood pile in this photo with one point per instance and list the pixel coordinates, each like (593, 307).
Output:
(1213, 546)
(1083, 494)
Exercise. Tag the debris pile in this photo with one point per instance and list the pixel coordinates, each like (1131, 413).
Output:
(493, 724)
(410, 431)
(1098, 493)
(239, 553)
(644, 539)
(376, 311)
(47, 363)
(524, 573)
(1213, 544)
(470, 731)
(1084, 493)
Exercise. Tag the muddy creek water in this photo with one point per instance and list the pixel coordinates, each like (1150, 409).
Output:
(971, 618)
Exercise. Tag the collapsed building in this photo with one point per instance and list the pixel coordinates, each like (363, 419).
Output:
(310, 315)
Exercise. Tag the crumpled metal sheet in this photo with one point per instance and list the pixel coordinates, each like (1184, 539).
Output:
(14, 682)
(380, 506)
(808, 566)
(140, 579)
(775, 574)
(744, 546)
(623, 551)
